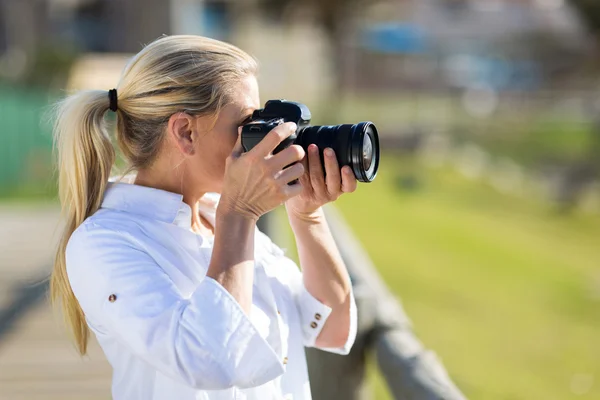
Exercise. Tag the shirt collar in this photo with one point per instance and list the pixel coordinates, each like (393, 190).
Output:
(156, 204)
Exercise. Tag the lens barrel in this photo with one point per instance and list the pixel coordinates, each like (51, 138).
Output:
(356, 145)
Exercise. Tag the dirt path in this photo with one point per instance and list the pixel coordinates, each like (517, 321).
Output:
(36, 359)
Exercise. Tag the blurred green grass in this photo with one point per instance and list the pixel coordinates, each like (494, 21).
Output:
(504, 290)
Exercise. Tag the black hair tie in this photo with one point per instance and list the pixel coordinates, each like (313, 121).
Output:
(112, 98)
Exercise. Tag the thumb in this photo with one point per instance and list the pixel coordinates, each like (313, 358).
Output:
(238, 149)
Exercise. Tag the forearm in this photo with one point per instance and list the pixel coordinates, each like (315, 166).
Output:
(232, 261)
(324, 273)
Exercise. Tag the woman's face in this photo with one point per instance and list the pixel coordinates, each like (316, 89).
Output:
(205, 169)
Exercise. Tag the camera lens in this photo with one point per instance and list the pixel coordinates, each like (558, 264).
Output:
(367, 152)
(364, 151)
(354, 145)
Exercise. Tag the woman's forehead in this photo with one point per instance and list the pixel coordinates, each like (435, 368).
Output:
(248, 94)
(244, 99)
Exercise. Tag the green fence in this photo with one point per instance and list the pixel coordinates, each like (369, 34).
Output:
(25, 143)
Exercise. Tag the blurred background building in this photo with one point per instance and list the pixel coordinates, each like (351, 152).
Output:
(489, 113)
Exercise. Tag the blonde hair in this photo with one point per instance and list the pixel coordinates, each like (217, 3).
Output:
(173, 74)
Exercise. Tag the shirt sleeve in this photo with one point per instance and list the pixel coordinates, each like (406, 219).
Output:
(205, 341)
(313, 313)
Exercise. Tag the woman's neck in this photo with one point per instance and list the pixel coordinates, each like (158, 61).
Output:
(173, 184)
(200, 225)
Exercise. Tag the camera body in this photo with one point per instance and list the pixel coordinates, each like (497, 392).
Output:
(276, 112)
(356, 145)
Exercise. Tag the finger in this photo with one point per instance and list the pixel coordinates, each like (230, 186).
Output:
(273, 138)
(349, 182)
(238, 149)
(288, 156)
(290, 173)
(315, 168)
(305, 178)
(292, 190)
(333, 177)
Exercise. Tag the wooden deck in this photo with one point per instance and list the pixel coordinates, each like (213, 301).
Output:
(37, 361)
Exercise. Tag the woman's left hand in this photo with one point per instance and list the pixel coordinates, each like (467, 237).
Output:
(319, 189)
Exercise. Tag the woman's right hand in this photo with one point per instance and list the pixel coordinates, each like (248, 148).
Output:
(256, 181)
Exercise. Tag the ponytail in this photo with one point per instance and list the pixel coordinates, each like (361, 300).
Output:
(85, 159)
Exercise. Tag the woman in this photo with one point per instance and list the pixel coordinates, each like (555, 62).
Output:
(187, 299)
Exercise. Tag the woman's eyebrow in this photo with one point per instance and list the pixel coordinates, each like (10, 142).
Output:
(246, 114)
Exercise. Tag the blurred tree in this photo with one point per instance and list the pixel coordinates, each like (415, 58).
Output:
(580, 175)
(336, 17)
(51, 66)
(589, 11)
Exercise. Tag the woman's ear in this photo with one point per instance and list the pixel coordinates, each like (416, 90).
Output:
(181, 131)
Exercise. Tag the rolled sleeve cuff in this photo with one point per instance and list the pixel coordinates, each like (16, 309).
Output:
(246, 357)
(345, 349)
(313, 315)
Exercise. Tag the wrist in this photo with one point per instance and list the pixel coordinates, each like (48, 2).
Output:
(228, 210)
(232, 216)
(305, 217)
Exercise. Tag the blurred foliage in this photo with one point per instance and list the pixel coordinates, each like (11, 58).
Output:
(530, 132)
(536, 143)
(51, 67)
(48, 68)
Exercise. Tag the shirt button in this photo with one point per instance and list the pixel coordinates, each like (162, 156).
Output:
(318, 316)
(112, 298)
(285, 360)
(313, 324)
(278, 312)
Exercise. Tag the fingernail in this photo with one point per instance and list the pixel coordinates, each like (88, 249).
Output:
(329, 152)
(313, 148)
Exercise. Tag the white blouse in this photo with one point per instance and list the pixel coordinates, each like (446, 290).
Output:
(169, 332)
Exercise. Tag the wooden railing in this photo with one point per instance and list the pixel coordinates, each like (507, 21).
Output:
(410, 370)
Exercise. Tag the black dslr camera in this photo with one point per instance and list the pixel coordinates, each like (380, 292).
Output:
(354, 145)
